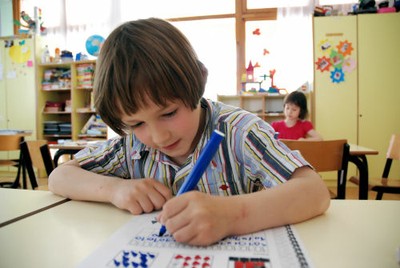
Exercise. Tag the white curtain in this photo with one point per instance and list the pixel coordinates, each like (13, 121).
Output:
(70, 22)
(296, 46)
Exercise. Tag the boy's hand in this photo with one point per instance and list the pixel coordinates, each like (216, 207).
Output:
(197, 218)
(138, 196)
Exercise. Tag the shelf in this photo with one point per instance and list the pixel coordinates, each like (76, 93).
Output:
(57, 90)
(75, 82)
(60, 112)
(259, 104)
(57, 135)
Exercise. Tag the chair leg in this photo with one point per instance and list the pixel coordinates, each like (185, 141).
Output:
(379, 195)
(16, 183)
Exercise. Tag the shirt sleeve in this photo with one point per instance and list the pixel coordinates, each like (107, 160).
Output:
(307, 126)
(266, 159)
(108, 158)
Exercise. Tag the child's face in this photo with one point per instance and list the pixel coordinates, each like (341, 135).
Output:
(292, 111)
(171, 129)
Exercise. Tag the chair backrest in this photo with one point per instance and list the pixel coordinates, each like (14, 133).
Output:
(10, 142)
(394, 147)
(36, 154)
(322, 155)
(393, 153)
(327, 155)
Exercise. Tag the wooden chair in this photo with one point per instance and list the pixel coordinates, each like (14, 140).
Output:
(36, 154)
(329, 155)
(10, 143)
(384, 185)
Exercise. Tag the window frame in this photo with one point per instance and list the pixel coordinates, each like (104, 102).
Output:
(242, 15)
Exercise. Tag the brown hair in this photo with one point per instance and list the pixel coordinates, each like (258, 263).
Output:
(298, 98)
(145, 60)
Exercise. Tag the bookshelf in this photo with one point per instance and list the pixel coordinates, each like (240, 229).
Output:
(269, 107)
(65, 100)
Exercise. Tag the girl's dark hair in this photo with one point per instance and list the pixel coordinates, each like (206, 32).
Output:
(298, 98)
(141, 61)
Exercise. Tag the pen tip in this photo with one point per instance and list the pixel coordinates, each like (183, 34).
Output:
(162, 231)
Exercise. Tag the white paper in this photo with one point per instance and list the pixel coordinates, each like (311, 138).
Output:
(137, 244)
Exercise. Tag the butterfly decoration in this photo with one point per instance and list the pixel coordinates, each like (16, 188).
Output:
(257, 31)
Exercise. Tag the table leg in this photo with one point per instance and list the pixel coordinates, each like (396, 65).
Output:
(362, 165)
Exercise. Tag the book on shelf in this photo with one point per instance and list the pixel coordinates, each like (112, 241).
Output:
(94, 126)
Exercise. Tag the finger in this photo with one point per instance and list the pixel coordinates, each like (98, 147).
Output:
(163, 190)
(145, 203)
(173, 207)
(157, 199)
(135, 208)
(182, 232)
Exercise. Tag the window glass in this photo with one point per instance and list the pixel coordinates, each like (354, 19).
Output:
(277, 45)
(49, 19)
(88, 12)
(337, 2)
(275, 3)
(214, 42)
(174, 8)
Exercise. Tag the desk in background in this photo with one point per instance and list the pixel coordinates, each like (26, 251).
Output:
(61, 149)
(68, 148)
(358, 156)
(351, 233)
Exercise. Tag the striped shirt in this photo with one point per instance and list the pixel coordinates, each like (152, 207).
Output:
(248, 159)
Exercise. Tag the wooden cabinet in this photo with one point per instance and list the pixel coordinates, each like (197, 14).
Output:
(17, 84)
(363, 107)
(268, 107)
(65, 100)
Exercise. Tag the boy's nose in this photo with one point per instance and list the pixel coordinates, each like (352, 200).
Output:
(160, 136)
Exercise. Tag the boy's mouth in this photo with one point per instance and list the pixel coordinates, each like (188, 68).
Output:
(171, 146)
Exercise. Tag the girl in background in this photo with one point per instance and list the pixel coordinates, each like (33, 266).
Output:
(295, 126)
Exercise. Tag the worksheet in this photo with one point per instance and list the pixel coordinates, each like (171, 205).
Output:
(138, 244)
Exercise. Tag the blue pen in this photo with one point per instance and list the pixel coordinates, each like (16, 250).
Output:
(201, 165)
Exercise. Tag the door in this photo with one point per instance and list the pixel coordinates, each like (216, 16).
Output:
(17, 84)
(335, 77)
(379, 86)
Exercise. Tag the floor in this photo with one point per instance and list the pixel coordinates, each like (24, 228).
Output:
(351, 191)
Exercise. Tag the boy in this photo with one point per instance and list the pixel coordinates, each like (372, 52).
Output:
(148, 88)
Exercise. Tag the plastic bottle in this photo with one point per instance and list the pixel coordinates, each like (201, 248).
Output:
(46, 55)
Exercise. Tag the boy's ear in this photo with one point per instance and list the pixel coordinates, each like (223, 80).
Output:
(204, 71)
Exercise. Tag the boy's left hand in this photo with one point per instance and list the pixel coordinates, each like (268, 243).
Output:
(197, 218)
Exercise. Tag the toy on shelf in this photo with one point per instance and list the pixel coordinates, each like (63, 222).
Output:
(251, 85)
(93, 44)
(31, 24)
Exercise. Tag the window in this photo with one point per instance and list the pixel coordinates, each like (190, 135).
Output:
(220, 31)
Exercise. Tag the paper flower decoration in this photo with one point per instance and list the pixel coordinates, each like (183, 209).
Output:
(345, 48)
(337, 75)
(323, 64)
(336, 59)
(325, 46)
(349, 65)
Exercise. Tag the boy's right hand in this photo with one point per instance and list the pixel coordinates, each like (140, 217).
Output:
(139, 195)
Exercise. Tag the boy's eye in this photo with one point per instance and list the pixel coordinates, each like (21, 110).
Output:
(136, 125)
(170, 114)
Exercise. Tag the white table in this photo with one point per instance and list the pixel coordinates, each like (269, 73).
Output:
(352, 233)
(15, 204)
